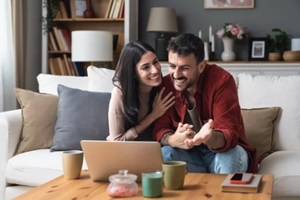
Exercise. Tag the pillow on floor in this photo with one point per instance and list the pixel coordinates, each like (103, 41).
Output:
(259, 127)
(39, 118)
(81, 115)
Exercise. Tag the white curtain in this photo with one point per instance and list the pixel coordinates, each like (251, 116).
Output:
(7, 63)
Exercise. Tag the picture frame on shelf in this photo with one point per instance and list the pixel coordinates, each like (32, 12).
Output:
(77, 8)
(257, 49)
(223, 4)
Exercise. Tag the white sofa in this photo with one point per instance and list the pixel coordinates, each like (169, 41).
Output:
(20, 173)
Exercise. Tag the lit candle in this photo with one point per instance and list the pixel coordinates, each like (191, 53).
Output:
(200, 34)
(212, 43)
(210, 33)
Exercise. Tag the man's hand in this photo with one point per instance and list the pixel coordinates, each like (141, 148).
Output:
(182, 134)
(203, 135)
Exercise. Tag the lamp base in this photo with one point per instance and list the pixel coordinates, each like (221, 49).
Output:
(161, 43)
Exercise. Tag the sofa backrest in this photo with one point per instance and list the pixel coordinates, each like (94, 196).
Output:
(48, 83)
(275, 91)
(254, 92)
(98, 80)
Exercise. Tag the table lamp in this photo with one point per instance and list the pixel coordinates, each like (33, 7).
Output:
(92, 46)
(162, 20)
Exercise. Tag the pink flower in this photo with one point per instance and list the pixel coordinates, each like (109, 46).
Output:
(234, 31)
(230, 30)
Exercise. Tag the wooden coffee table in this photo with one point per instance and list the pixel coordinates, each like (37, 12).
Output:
(196, 186)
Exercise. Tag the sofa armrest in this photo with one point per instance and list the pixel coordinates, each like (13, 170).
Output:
(10, 131)
(11, 128)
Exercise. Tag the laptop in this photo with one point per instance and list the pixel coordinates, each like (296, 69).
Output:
(105, 158)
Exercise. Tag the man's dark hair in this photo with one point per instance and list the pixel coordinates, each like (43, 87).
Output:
(186, 44)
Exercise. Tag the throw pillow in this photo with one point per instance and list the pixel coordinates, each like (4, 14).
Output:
(81, 115)
(259, 127)
(100, 79)
(39, 118)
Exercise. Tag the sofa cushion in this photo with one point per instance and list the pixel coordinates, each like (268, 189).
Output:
(284, 165)
(81, 115)
(48, 83)
(34, 168)
(100, 79)
(259, 127)
(275, 91)
(39, 118)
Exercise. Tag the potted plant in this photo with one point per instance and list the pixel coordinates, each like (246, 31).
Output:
(278, 43)
(52, 7)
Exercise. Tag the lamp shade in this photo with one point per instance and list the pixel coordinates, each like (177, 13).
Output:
(162, 19)
(92, 46)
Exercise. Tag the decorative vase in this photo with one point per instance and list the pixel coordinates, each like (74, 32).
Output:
(228, 53)
(88, 13)
(274, 56)
(291, 56)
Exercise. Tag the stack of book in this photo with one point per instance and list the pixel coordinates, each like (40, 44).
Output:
(251, 187)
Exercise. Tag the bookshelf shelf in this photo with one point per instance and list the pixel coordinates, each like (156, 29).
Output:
(59, 52)
(89, 20)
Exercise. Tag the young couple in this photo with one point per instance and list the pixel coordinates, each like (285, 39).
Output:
(193, 111)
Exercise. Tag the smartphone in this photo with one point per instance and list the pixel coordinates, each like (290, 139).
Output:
(241, 178)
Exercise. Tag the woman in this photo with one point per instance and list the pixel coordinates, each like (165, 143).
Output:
(134, 104)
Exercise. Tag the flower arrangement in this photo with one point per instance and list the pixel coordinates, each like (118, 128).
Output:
(233, 31)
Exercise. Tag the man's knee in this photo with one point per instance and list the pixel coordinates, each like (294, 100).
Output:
(167, 153)
(170, 153)
(234, 160)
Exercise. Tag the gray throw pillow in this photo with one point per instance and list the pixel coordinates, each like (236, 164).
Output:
(81, 115)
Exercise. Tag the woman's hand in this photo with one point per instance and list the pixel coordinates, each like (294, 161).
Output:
(161, 105)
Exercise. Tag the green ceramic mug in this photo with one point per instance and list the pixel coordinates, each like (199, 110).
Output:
(174, 174)
(152, 184)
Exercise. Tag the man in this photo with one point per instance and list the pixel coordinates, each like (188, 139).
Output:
(204, 127)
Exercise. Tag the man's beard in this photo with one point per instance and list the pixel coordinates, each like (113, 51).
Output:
(185, 85)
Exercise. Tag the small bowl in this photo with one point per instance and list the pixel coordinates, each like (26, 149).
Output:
(291, 56)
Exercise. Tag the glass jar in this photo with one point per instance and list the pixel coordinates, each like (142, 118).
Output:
(122, 184)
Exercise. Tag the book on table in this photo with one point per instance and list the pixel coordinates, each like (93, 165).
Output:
(251, 187)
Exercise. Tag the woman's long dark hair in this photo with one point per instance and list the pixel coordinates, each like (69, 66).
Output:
(125, 79)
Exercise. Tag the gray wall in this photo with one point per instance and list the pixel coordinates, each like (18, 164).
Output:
(192, 17)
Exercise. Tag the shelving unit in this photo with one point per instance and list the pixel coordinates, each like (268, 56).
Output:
(125, 27)
(280, 68)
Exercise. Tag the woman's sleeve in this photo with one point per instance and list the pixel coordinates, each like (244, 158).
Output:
(116, 120)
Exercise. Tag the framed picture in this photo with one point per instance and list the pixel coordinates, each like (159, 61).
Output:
(77, 8)
(225, 4)
(257, 48)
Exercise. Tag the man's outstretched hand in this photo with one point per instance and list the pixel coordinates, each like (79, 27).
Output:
(203, 135)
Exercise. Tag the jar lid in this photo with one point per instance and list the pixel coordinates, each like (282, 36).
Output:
(123, 177)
